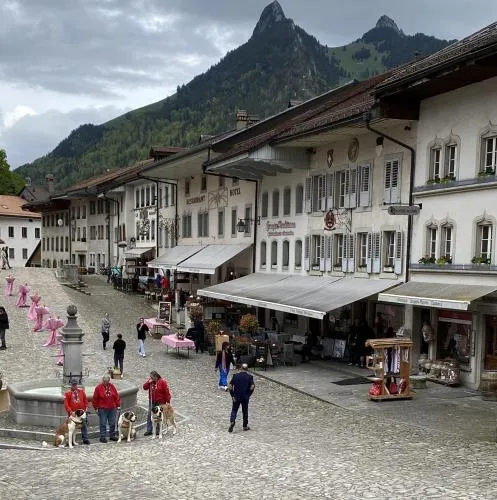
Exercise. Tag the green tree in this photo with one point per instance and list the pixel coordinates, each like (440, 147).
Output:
(10, 182)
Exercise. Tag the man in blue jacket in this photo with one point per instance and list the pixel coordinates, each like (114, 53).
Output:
(241, 388)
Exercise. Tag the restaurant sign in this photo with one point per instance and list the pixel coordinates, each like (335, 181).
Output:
(195, 199)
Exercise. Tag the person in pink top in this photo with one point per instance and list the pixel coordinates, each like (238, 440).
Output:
(52, 324)
(35, 300)
(23, 295)
(40, 312)
(9, 285)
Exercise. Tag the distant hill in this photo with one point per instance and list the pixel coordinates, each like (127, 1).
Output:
(278, 63)
(381, 48)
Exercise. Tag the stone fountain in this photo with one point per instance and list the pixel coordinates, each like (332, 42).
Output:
(41, 402)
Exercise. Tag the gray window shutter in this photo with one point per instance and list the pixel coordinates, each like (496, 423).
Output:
(308, 195)
(307, 244)
(322, 192)
(376, 252)
(388, 179)
(330, 191)
(346, 201)
(322, 253)
(399, 237)
(369, 254)
(395, 182)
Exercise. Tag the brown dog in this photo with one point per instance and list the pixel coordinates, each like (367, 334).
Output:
(168, 418)
(73, 422)
(163, 415)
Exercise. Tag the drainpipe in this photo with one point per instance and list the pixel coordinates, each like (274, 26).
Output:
(256, 204)
(411, 187)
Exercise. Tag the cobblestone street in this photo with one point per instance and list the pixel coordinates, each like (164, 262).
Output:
(298, 446)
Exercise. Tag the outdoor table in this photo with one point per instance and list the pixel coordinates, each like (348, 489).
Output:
(177, 344)
(154, 324)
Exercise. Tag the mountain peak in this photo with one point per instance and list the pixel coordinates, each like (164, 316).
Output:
(387, 22)
(272, 14)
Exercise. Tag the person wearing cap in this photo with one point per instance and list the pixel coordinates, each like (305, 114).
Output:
(106, 402)
(75, 399)
(241, 388)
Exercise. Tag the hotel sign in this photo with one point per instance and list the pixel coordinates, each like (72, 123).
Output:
(280, 228)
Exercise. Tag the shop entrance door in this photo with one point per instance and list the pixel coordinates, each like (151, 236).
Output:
(490, 362)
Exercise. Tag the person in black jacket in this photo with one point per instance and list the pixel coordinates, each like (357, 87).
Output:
(142, 330)
(241, 388)
(4, 325)
(199, 335)
(119, 347)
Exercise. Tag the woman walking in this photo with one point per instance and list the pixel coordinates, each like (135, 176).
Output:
(224, 359)
(142, 330)
(105, 330)
(4, 325)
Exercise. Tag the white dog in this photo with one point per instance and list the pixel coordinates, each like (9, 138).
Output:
(125, 426)
(74, 422)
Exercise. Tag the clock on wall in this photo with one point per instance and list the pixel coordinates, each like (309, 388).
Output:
(353, 152)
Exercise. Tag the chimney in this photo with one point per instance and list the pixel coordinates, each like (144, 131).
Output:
(241, 119)
(49, 183)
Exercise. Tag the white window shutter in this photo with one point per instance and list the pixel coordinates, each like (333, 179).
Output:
(364, 186)
(346, 201)
(307, 245)
(330, 191)
(308, 195)
(399, 237)
(369, 254)
(322, 192)
(350, 257)
(328, 263)
(322, 253)
(388, 179)
(376, 253)
(345, 253)
(353, 188)
(395, 182)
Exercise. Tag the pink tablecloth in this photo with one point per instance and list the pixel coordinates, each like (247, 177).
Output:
(175, 343)
(154, 325)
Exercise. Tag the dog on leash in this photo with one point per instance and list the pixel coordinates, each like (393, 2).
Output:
(73, 423)
(163, 415)
(125, 426)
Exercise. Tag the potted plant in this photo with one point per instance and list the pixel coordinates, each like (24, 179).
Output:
(448, 178)
(427, 260)
(213, 328)
(444, 260)
(196, 312)
(248, 323)
(480, 260)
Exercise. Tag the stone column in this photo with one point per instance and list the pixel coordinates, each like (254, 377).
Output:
(72, 344)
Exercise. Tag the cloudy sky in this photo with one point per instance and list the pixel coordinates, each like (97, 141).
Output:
(68, 62)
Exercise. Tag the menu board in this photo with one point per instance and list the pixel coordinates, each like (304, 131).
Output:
(164, 314)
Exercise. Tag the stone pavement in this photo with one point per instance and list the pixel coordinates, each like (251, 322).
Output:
(299, 446)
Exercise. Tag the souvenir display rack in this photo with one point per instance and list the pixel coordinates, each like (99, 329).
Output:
(391, 366)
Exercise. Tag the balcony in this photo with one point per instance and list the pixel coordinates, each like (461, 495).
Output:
(483, 180)
(456, 268)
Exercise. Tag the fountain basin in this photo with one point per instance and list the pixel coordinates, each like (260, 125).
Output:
(41, 402)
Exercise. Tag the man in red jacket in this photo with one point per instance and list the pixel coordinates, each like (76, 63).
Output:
(106, 402)
(158, 394)
(75, 399)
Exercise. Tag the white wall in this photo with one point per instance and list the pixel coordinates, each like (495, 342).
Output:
(18, 242)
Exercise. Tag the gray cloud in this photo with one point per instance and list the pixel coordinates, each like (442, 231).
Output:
(34, 135)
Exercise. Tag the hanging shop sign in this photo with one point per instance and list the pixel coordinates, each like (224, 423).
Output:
(235, 192)
(280, 228)
(195, 199)
(330, 221)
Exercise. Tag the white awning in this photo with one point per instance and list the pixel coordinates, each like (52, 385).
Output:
(311, 296)
(173, 256)
(211, 257)
(440, 295)
(134, 253)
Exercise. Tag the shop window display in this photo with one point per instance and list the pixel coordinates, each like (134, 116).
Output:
(454, 336)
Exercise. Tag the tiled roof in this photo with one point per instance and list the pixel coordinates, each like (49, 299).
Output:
(121, 175)
(342, 103)
(35, 193)
(11, 206)
(352, 106)
(457, 52)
